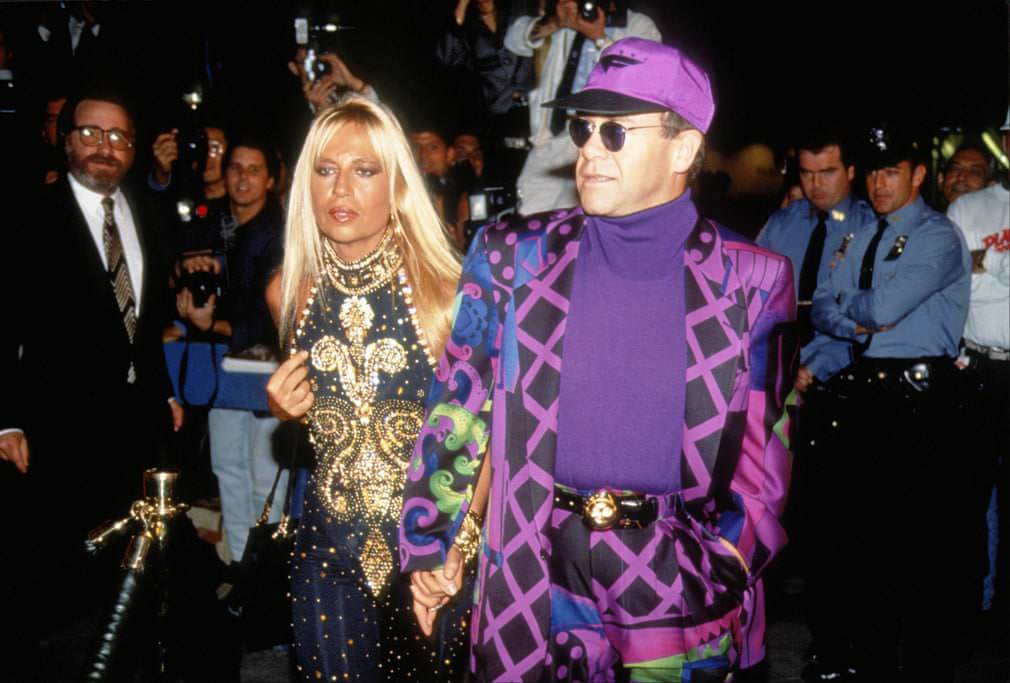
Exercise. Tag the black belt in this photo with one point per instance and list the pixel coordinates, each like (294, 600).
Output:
(893, 374)
(604, 509)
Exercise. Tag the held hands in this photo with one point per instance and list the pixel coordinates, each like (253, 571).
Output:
(432, 590)
(289, 394)
(14, 449)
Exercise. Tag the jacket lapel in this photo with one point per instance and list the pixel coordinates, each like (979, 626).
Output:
(545, 266)
(716, 324)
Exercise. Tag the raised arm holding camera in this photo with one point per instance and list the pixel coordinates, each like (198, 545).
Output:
(576, 42)
(246, 251)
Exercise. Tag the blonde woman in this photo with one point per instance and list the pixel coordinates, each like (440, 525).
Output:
(365, 300)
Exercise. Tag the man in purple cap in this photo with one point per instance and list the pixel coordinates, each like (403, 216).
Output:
(627, 362)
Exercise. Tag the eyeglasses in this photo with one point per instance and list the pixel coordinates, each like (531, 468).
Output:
(215, 148)
(612, 133)
(92, 136)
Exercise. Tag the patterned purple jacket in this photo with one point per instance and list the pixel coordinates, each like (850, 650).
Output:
(498, 381)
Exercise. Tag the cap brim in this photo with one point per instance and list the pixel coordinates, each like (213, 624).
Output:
(604, 102)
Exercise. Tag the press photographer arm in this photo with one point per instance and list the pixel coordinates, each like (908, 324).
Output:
(200, 317)
(166, 151)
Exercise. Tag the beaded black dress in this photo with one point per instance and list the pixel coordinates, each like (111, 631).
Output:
(369, 368)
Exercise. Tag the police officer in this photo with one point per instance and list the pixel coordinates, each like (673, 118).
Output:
(901, 295)
(814, 233)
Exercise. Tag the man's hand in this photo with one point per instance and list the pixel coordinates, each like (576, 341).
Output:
(14, 448)
(289, 394)
(866, 330)
(166, 150)
(342, 76)
(591, 29)
(566, 13)
(200, 263)
(318, 92)
(201, 317)
(978, 261)
(546, 25)
(460, 12)
(178, 414)
(803, 379)
(432, 590)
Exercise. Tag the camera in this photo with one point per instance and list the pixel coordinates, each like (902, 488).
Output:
(188, 168)
(318, 37)
(615, 11)
(488, 205)
(587, 9)
(201, 284)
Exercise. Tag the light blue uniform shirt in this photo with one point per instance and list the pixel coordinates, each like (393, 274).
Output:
(921, 284)
(788, 232)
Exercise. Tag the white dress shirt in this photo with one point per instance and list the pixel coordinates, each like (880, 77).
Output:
(94, 213)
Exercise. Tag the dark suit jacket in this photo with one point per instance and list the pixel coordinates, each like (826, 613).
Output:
(64, 356)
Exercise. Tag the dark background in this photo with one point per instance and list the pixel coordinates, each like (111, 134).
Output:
(772, 64)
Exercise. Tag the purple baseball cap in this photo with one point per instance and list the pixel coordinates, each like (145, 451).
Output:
(636, 76)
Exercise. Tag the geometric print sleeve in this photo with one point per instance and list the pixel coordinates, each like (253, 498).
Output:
(452, 444)
(761, 480)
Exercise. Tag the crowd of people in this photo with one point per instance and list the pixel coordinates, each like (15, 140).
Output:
(421, 292)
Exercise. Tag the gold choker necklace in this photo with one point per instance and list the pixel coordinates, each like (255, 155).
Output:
(368, 273)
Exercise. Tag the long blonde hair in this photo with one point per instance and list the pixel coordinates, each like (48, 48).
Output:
(431, 263)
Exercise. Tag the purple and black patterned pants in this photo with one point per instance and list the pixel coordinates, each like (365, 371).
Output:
(652, 604)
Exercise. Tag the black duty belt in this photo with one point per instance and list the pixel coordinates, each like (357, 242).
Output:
(604, 509)
(902, 375)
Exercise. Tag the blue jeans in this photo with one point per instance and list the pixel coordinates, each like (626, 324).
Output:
(242, 458)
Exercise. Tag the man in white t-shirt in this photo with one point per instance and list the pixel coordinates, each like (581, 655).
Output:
(984, 217)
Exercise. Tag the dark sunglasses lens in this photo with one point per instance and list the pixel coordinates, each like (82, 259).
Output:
(612, 135)
(580, 130)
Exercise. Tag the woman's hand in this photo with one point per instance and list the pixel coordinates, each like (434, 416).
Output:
(289, 394)
(432, 590)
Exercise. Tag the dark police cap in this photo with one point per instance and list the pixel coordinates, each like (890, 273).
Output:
(888, 145)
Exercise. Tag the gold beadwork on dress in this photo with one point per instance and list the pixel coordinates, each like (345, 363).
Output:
(363, 442)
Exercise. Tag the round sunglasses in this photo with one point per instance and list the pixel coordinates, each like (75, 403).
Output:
(612, 133)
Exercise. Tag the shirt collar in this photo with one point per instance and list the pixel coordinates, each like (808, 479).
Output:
(838, 213)
(90, 200)
(907, 214)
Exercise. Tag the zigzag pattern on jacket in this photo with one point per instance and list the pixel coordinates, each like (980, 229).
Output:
(503, 366)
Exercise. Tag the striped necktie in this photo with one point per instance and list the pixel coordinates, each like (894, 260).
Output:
(119, 275)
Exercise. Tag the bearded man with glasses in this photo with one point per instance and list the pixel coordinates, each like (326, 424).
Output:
(624, 365)
(86, 398)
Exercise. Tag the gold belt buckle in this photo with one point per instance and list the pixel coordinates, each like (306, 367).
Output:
(601, 510)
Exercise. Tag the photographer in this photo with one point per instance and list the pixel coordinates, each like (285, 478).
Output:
(491, 81)
(247, 250)
(166, 154)
(577, 39)
(325, 78)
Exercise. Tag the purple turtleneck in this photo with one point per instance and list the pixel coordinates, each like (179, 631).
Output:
(621, 413)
